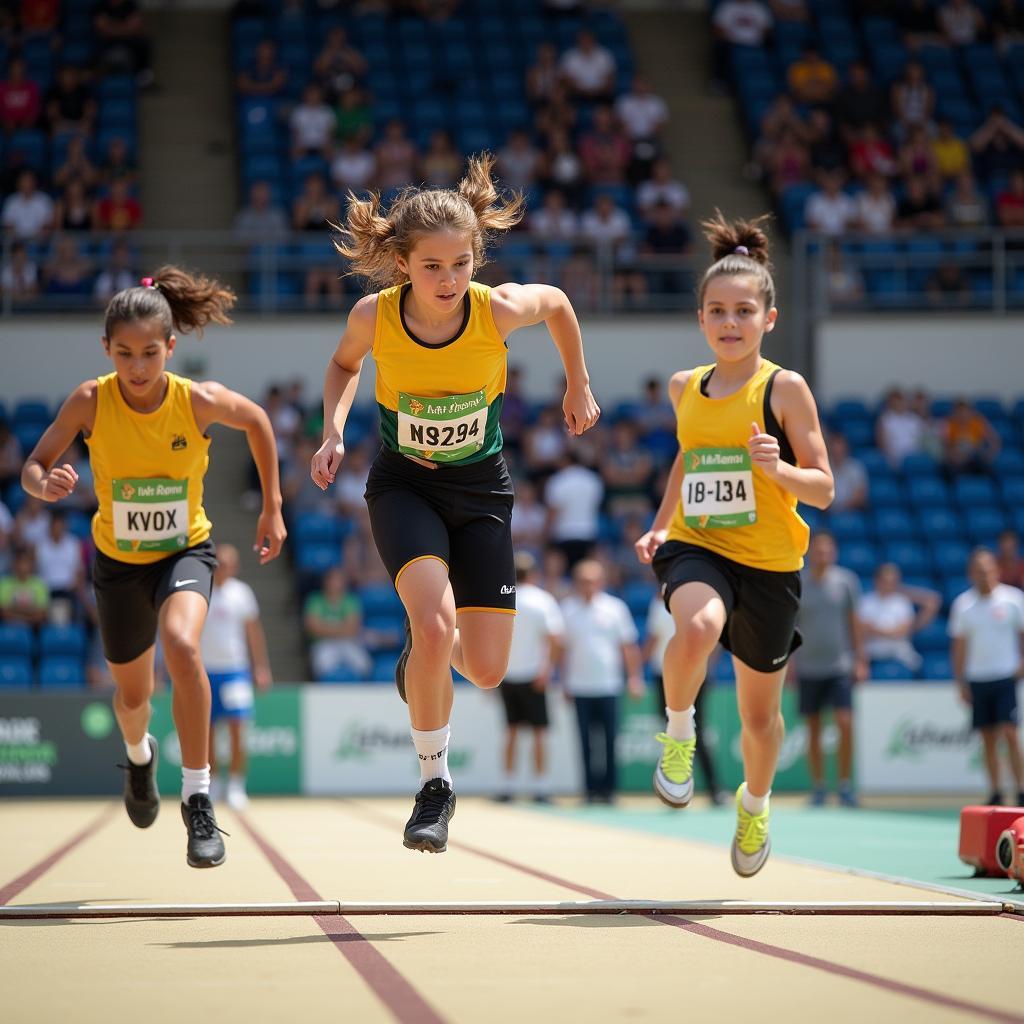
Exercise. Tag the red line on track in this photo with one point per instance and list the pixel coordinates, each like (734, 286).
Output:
(24, 880)
(753, 945)
(393, 990)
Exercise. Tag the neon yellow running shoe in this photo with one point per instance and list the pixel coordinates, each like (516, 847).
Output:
(752, 844)
(673, 778)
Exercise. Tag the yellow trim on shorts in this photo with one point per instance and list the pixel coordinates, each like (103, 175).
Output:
(418, 558)
(503, 611)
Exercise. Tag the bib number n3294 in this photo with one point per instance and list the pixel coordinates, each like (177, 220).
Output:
(718, 488)
(442, 429)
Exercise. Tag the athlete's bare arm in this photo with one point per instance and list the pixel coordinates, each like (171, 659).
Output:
(214, 403)
(340, 384)
(522, 305)
(810, 480)
(39, 476)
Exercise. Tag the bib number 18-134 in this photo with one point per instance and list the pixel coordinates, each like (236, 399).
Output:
(718, 488)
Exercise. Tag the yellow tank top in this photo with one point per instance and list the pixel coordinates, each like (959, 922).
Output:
(148, 471)
(727, 505)
(440, 402)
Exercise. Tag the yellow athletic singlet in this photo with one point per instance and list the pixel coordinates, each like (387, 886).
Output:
(440, 402)
(727, 505)
(148, 470)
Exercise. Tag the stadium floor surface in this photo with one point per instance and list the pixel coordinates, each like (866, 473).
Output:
(540, 963)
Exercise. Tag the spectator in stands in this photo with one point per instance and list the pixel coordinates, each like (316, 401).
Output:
(626, 471)
(920, 208)
(32, 522)
(892, 613)
(298, 491)
(871, 154)
(118, 163)
(312, 210)
(998, 145)
(601, 659)
(261, 221)
(831, 659)
(828, 153)
(788, 162)
(642, 114)
(354, 118)
(912, 99)
(876, 207)
(67, 272)
(970, 444)
(948, 286)
(396, 157)
(20, 276)
(119, 273)
(266, 76)
(529, 519)
(123, 42)
(544, 444)
(353, 166)
(77, 166)
(830, 210)
(655, 413)
(59, 563)
(560, 113)
(961, 22)
(1011, 564)
(661, 188)
(70, 106)
(843, 281)
(917, 20)
(667, 239)
(286, 422)
(573, 496)
(519, 161)
(605, 225)
(28, 212)
(119, 210)
(339, 66)
(1007, 24)
(986, 624)
(917, 159)
(350, 484)
(605, 150)
(73, 211)
(1010, 203)
(899, 431)
(553, 221)
(849, 475)
(23, 595)
(333, 619)
(562, 168)
(812, 79)
(860, 101)
(589, 69)
(20, 102)
(441, 165)
(952, 157)
(38, 17)
(781, 117)
(966, 207)
(312, 125)
(543, 75)
(11, 455)
(738, 23)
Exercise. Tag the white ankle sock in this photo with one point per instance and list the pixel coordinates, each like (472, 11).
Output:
(194, 780)
(680, 724)
(432, 747)
(754, 804)
(139, 753)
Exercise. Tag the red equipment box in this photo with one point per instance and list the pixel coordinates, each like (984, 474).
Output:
(980, 829)
(1010, 850)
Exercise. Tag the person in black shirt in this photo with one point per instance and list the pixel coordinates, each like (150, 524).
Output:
(123, 43)
(920, 209)
(667, 237)
(70, 106)
(860, 102)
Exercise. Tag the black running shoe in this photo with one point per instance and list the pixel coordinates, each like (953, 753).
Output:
(205, 846)
(427, 830)
(403, 660)
(141, 799)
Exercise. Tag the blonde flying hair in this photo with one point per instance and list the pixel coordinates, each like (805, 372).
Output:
(739, 247)
(372, 238)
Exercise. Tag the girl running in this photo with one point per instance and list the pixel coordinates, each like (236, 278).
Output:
(439, 493)
(727, 542)
(146, 430)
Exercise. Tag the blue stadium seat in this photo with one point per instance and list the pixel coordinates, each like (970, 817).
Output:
(15, 671)
(937, 666)
(928, 491)
(388, 629)
(16, 640)
(61, 670)
(950, 557)
(383, 667)
(342, 674)
(315, 559)
(892, 523)
(848, 526)
(911, 556)
(63, 640)
(888, 671)
(380, 599)
(724, 671)
(887, 493)
(953, 588)
(316, 527)
(939, 522)
(1011, 488)
(932, 638)
(859, 556)
(974, 490)
(919, 464)
(875, 463)
(984, 524)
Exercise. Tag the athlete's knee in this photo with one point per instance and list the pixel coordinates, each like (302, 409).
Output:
(763, 723)
(844, 719)
(433, 634)
(131, 699)
(484, 671)
(181, 650)
(699, 635)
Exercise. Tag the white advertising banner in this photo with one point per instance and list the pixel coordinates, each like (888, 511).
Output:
(356, 741)
(916, 738)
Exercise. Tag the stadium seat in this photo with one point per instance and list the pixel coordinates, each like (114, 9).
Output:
(342, 674)
(984, 524)
(62, 640)
(888, 671)
(313, 560)
(16, 640)
(940, 523)
(932, 638)
(859, 556)
(60, 670)
(928, 491)
(935, 665)
(380, 599)
(848, 526)
(15, 672)
(887, 493)
(972, 491)
(950, 557)
(911, 556)
(892, 523)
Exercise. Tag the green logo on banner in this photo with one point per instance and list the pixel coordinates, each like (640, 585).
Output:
(97, 721)
(912, 739)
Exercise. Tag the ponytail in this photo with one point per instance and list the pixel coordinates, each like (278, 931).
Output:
(739, 247)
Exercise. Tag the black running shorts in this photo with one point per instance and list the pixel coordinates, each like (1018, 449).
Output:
(524, 705)
(129, 596)
(761, 606)
(461, 515)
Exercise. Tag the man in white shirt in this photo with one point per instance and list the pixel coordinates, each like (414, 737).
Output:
(589, 68)
(573, 495)
(536, 642)
(605, 224)
(312, 124)
(831, 211)
(662, 188)
(641, 112)
(234, 651)
(59, 559)
(601, 659)
(986, 624)
(892, 613)
(28, 212)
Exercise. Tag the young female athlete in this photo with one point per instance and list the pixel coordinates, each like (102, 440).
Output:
(146, 430)
(439, 494)
(727, 543)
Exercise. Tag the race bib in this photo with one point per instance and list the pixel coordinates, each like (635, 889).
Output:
(442, 429)
(150, 514)
(718, 488)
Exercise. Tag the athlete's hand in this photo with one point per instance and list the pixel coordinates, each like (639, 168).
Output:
(764, 449)
(580, 409)
(326, 462)
(59, 482)
(648, 544)
(270, 535)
